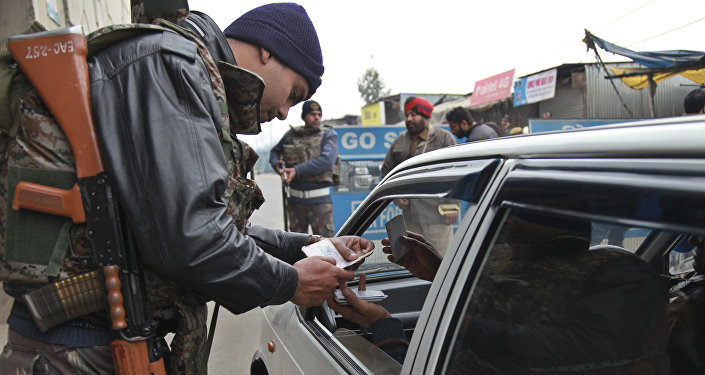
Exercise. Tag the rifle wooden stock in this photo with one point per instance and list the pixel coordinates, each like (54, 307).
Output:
(55, 63)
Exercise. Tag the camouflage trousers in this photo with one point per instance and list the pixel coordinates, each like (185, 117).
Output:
(318, 216)
(25, 356)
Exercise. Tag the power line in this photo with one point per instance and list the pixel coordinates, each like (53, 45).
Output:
(558, 50)
(666, 32)
(625, 15)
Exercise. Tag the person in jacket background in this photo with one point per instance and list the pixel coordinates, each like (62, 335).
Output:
(167, 107)
(305, 157)
(462, 125)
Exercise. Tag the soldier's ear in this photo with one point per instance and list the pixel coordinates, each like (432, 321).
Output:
(264, 55)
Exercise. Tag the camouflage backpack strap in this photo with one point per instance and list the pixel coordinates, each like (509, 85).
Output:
(109, 35)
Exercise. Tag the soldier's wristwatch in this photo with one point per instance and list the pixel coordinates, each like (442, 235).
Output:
(313, 239)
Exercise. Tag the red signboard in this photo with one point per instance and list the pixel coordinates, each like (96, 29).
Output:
(492, 89)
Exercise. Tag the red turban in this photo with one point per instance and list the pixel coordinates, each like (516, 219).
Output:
(420, 106)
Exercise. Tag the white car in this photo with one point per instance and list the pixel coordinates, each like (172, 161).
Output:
(573, 254)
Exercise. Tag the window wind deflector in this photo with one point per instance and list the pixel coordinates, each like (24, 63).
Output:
(465, 181)
(659, 201)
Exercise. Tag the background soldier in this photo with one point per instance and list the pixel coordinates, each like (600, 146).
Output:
(306, 157)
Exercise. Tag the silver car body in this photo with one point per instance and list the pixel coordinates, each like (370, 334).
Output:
(303, 345)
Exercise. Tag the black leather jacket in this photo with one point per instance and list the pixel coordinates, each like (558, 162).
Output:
(157, 122)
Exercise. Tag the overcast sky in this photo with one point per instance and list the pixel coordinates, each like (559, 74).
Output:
(445, 46)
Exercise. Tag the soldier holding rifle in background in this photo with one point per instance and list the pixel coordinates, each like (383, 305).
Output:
(306, 159)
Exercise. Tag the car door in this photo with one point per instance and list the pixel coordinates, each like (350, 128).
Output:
(339, 343)
(563, 202)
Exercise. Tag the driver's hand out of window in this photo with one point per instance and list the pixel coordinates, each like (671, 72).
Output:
(359, 311)
(421, 259)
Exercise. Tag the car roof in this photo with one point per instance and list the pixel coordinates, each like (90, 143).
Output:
(673, 137)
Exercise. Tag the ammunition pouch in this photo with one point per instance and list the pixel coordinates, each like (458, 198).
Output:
(36, 243)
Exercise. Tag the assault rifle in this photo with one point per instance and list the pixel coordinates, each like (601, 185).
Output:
(55, 63)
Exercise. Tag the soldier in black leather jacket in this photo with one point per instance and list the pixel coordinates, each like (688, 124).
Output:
(167, 108)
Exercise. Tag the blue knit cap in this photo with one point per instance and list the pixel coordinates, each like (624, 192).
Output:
(286, 31)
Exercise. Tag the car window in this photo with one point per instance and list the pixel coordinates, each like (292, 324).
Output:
(437, 219)
(547, 299)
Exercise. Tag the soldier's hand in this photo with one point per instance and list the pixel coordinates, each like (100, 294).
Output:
(279, 167)
(318, 277)
(352, 247)
(421, 259)
(288, 174)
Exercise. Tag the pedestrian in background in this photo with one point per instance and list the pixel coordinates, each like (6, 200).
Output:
(506, 125)
(464, 126)
(694, 102)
